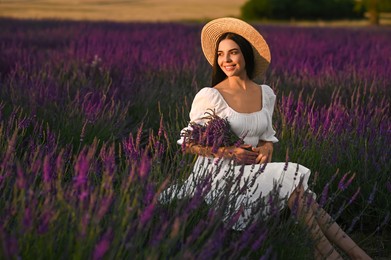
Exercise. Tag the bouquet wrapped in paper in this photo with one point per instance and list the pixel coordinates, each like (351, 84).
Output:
(215, 133)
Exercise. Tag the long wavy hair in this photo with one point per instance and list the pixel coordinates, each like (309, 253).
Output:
(217, 74)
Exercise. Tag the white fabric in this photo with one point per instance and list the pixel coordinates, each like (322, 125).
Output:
(279, 177)
(254, 126)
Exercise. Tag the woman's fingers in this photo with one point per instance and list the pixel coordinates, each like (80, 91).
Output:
(262, 158)
(264, 154)
(245, 156)
(247, 147)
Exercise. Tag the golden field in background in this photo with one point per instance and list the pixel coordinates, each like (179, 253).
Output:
(121, 10)
(146, 11)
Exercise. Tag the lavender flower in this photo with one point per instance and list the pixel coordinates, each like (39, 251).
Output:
(216, 132)
(104, 207)
(258, 243)
(324, 195)
(45, 219)
(10, 245)
(353, 198)
(267, 254)
(27, 218)
(81, 169)
(353, 224)
(372, 195)
(21, 179)
(102, 246)
(384, 222)
(146, 215)
(342, 185)
(47, 172)
(145, 166)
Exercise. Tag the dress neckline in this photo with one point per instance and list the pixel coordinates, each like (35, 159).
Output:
(242, 113)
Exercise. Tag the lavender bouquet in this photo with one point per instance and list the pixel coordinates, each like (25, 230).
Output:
(215, 133)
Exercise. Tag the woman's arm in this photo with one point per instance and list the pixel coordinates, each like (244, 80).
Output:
(264, 150)
(240, 154)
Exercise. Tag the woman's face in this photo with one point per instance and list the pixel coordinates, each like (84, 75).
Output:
(231, 59)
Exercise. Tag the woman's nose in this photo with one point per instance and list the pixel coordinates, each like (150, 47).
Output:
(227, 58)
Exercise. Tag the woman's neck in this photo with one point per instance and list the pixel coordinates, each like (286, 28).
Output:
(238, 82)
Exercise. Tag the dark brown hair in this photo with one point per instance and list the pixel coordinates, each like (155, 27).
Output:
(217, 74)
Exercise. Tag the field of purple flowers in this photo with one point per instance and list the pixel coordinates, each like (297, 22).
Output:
(90, 114)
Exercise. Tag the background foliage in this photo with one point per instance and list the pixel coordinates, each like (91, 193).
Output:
(301, 9)
(311, 9)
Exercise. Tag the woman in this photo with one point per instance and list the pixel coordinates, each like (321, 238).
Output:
(238, 54)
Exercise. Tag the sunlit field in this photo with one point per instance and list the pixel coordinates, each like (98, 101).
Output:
(148, 11)
(89, 117)
(120, 10)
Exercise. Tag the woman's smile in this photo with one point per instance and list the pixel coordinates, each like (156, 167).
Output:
(229, 67)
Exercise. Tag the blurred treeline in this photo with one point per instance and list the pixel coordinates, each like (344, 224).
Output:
(313, 9)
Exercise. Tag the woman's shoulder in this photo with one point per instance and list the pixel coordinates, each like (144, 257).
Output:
(206, 98)
(267, 90)
(206, 92)
(206, 95)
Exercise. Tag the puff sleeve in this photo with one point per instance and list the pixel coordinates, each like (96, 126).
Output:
(270, 100)
(205, 99)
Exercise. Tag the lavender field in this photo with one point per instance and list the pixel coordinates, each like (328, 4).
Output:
(89, 117)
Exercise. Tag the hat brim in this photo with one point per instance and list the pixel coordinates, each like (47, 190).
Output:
(214, 29)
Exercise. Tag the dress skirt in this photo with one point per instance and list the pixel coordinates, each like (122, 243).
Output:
(258, 190)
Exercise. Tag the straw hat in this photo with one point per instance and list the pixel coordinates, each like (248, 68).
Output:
(215, 28)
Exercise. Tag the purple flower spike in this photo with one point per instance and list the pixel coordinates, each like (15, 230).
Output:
(47, 171)
(161, 127)
(372, 195)
(353, 198)
(347, 184)
(81, 168)
(258, 243)
(83, 195)
(145, 166)
(384, 222)
(266, 256)
(353, 224)
(45, 221)
(324, 195)
(341, 184)
(104, 207)
(10, 245)
(20, 180)
(27, 218)
(146, 215)
(85, 222)
(102, 246)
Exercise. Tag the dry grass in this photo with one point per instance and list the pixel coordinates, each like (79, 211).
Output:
(121, 10)
(142, 10)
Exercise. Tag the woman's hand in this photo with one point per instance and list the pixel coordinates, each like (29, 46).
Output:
(264, 151)
(242, 154)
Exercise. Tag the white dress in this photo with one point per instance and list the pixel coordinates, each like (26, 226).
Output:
(249, 184)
